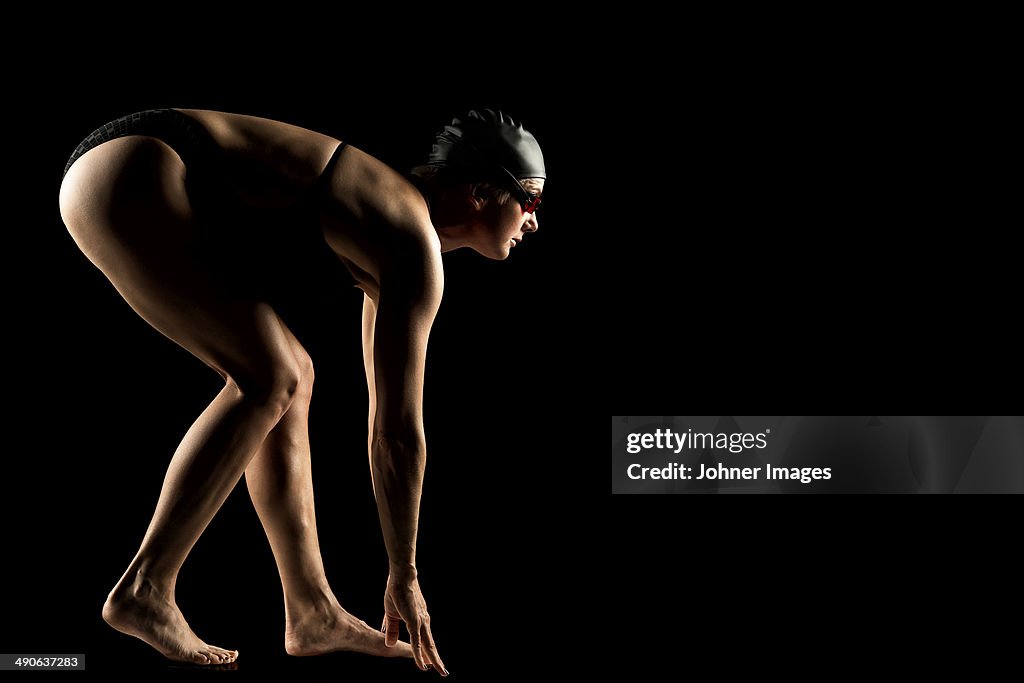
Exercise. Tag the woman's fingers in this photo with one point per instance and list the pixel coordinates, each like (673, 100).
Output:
(417, 652)
(430, 649)
(390, 631)
(408, 607)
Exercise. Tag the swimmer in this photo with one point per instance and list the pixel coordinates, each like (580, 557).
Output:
(149, 199)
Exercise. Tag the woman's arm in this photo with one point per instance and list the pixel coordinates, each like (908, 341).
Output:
(405, 313)
(369, 318)
(396, 328)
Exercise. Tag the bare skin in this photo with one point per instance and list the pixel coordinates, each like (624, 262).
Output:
(128, 208)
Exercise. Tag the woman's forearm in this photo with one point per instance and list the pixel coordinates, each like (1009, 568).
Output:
(396, 466)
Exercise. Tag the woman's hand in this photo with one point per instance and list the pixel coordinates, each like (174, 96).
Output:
(403, 601)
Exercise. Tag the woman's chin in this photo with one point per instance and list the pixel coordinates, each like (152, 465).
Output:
(496, 253)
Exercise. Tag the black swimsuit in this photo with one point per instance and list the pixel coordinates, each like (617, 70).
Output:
(183, 133)
(323, 182)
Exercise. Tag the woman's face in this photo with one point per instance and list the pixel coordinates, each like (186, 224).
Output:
(505, 225)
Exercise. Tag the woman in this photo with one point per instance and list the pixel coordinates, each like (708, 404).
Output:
(149, 200)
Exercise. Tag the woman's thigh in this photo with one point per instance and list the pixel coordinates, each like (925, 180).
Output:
(126, 205)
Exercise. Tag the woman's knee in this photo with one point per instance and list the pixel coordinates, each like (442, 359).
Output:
(272, 387)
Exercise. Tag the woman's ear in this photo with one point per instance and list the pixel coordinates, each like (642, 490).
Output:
(477, 197)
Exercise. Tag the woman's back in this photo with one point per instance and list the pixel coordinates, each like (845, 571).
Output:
(365, 207)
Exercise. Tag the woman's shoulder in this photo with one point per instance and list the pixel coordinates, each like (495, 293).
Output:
(376, 194)
(375, 217)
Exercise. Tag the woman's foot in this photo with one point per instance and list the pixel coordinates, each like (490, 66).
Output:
(332, 629)
(137, 607)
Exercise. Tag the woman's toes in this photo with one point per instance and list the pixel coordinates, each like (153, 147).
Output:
(224, 655)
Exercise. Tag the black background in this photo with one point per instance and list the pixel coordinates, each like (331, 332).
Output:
(741, 222)
(109, 398)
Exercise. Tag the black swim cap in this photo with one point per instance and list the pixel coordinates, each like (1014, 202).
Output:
(486, 141)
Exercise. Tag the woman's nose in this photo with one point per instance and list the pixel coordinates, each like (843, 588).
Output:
(531, 223)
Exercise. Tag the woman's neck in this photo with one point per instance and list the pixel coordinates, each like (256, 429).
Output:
(453, 232)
